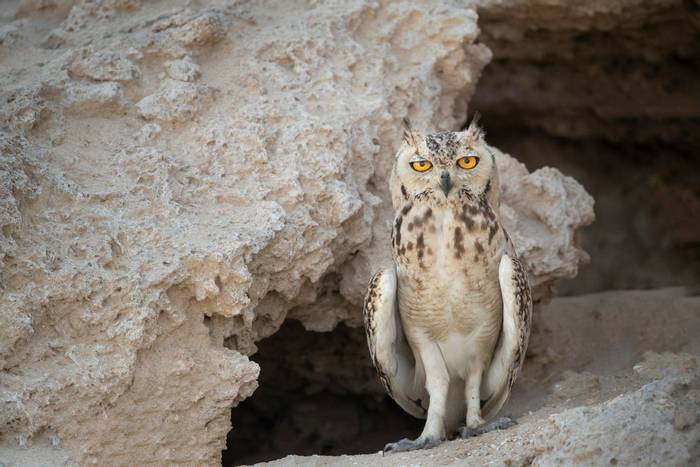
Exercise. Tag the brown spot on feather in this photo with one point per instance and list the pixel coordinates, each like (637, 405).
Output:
(397, 231)
(459, 243)
(479, 247)
(492, 231)
(420, 247)
(467, 220)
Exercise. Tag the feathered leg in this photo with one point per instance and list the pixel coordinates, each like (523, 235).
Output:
(437, 385)
(472, 391)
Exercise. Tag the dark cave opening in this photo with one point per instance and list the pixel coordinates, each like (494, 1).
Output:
(318, 394)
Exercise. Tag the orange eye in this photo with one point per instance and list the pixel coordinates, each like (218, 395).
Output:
(421, 166)
(468, 162)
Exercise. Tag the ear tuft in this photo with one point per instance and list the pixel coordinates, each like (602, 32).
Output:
(475, 133)
(409, 135)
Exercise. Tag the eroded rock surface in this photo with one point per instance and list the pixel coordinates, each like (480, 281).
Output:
(176, 181)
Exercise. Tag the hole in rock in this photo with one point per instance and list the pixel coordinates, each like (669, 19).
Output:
(318, 394)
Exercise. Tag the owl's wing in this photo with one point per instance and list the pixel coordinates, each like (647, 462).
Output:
(388, 348)
(510, 351)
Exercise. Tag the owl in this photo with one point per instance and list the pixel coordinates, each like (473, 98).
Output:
(448, 323)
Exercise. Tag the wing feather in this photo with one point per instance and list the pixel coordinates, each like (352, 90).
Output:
(510, 351)
(391, 354)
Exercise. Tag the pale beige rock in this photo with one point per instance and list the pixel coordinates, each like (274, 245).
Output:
(141, 261)
(192, 28)
(104, 65)
(174, 101)
(183, 70)
(97, 97)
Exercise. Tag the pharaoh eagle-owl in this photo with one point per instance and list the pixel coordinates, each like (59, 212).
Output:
(448, 323)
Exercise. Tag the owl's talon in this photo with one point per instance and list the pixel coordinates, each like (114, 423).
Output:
(411, 445)
(501, 423)
(475, 422)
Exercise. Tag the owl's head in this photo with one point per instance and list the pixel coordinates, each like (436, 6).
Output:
(444, 166)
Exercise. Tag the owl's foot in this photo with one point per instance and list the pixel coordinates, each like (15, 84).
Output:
(474, 422)
(498, 424)
(412, 445)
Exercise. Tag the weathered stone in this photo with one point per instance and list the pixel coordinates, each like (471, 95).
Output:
(141, 263)
(174, 101)
(93, 97)
(104, 65)
(183, 70)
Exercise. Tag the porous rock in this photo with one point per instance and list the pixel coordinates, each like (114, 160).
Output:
(183, 70)
(174, 101)
(140, 265)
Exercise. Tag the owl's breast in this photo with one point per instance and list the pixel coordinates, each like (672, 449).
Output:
(447, 261)
(432, 240)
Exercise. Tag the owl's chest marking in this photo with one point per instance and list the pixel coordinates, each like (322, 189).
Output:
(447, 261)
(424, 236)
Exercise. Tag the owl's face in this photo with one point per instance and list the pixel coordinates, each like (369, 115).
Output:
(441, 166)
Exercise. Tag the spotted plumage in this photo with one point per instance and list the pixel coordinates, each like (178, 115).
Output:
(448, 324)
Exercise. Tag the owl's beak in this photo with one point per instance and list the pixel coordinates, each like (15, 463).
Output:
(445, 183)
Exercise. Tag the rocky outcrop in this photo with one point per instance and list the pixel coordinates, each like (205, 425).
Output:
(176, 181)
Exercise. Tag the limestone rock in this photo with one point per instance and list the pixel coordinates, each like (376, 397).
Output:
(635, 428)
(183, 70)
(192, 28)
(141, 261)
(542, 211)
(93, 97)
(174, 101)
(104, 65)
